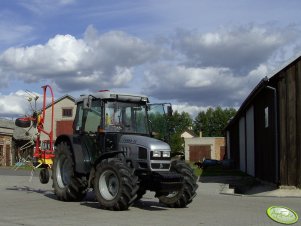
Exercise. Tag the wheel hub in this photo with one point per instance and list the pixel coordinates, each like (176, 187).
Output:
(108, 185)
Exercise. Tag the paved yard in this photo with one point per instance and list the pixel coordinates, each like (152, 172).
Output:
(27, 202)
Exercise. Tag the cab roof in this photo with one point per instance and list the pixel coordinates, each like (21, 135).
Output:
(111, 95)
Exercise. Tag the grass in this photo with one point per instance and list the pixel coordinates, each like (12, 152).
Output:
(25, 167)
(197, 171)
(22, 167)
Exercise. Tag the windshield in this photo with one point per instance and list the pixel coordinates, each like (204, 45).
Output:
(158, 120)
(126, 117)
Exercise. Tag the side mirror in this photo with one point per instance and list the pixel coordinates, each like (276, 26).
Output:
(169, 110)
(87, 103)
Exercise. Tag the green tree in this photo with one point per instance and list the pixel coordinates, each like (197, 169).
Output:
(178, 123)
(213, 122)
(170, 128)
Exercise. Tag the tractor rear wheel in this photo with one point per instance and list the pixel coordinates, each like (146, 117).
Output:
(67, 185)
(115, 184)
(181, 198)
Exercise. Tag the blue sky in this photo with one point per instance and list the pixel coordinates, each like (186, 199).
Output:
(195, 53)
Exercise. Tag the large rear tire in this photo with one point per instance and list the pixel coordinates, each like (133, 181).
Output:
(67, 185)
(181, 198)
(115, 185)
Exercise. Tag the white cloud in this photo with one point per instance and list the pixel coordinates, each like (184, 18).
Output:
(193, 110)
(122, 76)
(16, 104)
(61, 54)
(201, 86)
(218, 68)
(193, 68)
(243, 47)
(89, 63)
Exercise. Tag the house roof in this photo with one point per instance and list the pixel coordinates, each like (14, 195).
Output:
(190, 132)
(18, 133)
(7, 124)
(62, 98)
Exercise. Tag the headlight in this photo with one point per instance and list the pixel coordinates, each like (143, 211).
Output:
(166, 154)
(156, 154)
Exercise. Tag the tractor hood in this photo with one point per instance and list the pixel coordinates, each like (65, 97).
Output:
(146, 142)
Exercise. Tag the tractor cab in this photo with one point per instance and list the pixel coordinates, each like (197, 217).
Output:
(106, 116)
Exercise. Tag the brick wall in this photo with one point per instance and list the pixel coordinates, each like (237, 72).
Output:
(5, 150)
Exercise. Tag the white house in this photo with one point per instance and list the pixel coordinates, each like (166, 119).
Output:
(64, 113)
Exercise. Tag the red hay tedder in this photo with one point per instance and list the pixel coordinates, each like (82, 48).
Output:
(44, 150)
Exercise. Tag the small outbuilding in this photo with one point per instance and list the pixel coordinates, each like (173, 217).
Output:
(198, 148)
(264, 137)
(14, 143)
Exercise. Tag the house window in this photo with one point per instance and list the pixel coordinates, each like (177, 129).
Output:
(67, 112)
(266, 117)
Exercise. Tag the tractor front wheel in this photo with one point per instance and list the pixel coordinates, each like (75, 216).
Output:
(115, 185)
(181, 198)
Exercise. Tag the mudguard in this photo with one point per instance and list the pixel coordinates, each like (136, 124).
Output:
(81, 155)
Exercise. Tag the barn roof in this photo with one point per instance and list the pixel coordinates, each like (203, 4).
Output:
(260, 86)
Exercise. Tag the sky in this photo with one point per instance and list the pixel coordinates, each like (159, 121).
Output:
(195, 54)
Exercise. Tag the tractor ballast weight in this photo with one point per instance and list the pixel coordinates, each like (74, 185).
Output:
(113, 150)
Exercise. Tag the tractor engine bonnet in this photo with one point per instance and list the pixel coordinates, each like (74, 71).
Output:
(146, 153)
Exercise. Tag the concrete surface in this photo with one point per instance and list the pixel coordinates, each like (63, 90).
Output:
(235, 185)
(24, 201)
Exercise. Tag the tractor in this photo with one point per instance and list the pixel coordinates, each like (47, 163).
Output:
(115, 151)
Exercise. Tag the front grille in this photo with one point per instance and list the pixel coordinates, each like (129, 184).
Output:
(160, 165)
(143, 165)
(142, 153)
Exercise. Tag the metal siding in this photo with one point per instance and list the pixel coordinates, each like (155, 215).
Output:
(250, 141)
(242, 146)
